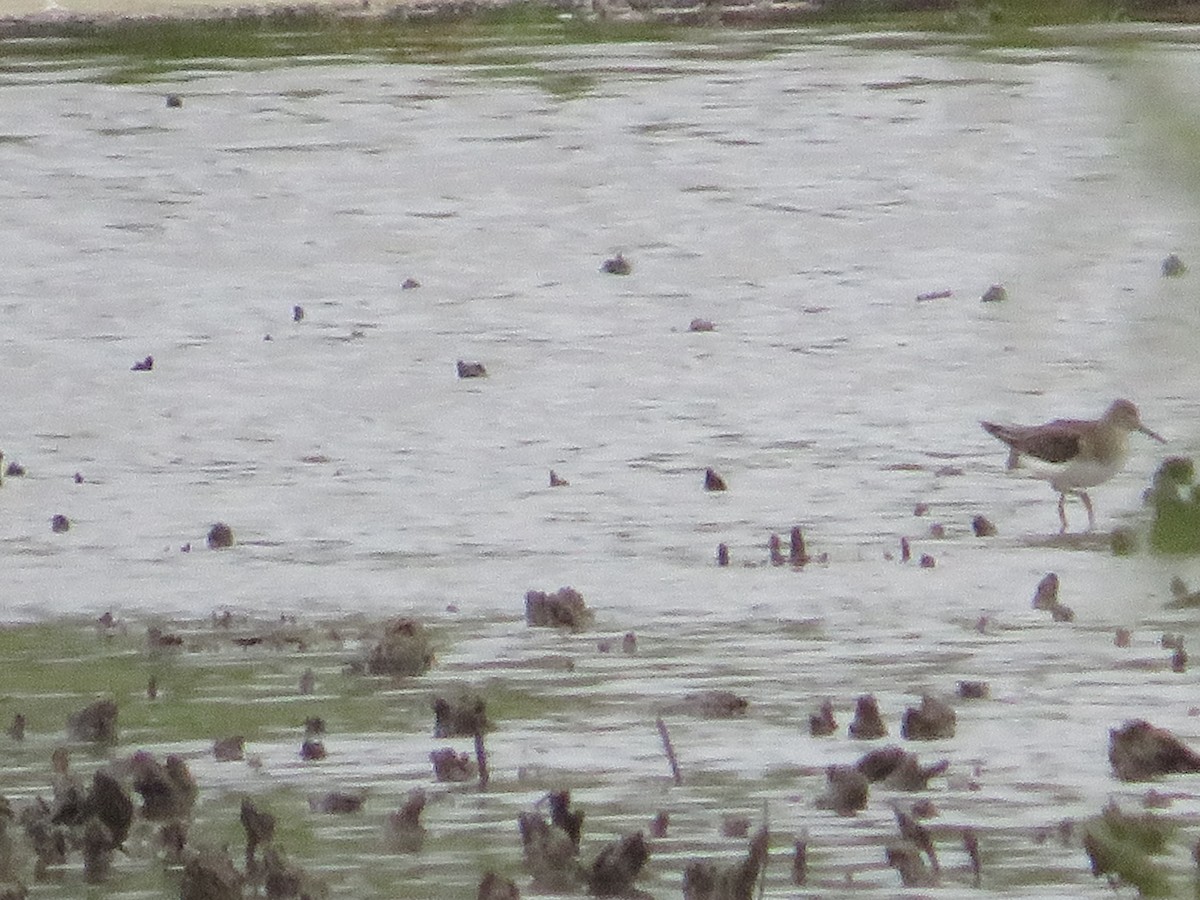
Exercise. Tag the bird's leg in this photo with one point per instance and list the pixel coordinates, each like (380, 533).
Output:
(1087, 504)
(1062, 512)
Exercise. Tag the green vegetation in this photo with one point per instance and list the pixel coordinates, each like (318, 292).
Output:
(1120, 845)
(145, 50)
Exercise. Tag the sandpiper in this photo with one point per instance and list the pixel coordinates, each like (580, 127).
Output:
(1075, 454)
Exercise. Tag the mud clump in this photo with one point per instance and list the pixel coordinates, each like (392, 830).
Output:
(497, 887)
(549, 854)
(462, 713)
(1139, 751)
(210, 875)
(404, 832)
(167, 791)
(822, 722)
(449, 765)
(613, 871)
(867, 724)
(562, 609)
(96, 723)
(932, 720)
(403, 650)
(704, 880)
(230, 749)
(846, 791)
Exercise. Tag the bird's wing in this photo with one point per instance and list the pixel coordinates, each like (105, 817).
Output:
(1054, 442)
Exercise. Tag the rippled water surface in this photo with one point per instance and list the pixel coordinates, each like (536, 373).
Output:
(799, 190)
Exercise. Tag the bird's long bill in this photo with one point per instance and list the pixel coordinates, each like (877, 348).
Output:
(1158, 437)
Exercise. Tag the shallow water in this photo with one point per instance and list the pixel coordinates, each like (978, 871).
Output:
(798, 189)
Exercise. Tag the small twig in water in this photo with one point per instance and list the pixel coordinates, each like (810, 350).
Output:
(481, 758)
(669, 750)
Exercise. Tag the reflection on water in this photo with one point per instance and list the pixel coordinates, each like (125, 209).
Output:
(800, 200)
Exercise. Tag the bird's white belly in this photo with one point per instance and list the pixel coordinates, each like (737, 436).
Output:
(1075, 475)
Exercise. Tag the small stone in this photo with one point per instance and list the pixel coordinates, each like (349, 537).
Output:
(297, 313)
(722, 555)
(174, 101)
(995, 294)
(713, 481)
(983, 527)
(60, 524)
(927, 561)
(409, 284)
(658, 826)
(470, 369)
(1173, 267)
(1046, 596)
(312, 750)
(220, 536)
(701, 325)
(555, 481)
(973, 690)
(775, 550)
(143, 365)
(617, 265)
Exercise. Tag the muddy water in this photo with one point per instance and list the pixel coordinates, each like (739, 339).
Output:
(797, 189)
